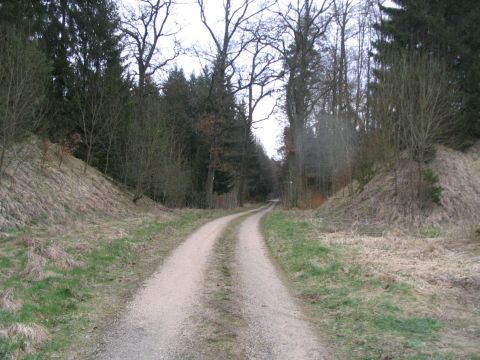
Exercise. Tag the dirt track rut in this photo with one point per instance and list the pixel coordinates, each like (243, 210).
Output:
(276, 328)
(167, 316)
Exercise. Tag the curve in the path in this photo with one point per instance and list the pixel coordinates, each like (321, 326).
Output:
(155, 323)
(276, 327)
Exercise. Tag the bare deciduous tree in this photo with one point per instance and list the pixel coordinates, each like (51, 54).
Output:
(304, 25)
(145, 29)
(257, 79)
(413, 106)
(23, 79)
(229, 46)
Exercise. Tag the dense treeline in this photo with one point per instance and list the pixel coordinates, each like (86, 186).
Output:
(367, 85)
(66, 71)
(361, 85)
(445, 31)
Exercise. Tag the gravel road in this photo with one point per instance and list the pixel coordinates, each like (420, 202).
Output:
(162, 321)
(156, 321)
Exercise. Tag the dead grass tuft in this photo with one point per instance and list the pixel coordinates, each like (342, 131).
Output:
(38, 257)
(30, 242)
(7, 302)
(468, 282)
(118, 234)
(60, 257)
(33, 332)
(35, 267)
(82, 247)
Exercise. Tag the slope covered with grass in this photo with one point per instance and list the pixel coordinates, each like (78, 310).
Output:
(43, 184)
(390, 198)
(73, 248)
(60, 286)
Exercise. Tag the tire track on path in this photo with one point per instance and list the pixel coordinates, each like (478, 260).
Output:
(276, 327)
(155, 325)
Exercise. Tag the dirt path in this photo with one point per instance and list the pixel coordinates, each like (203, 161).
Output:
(214, 300)
(155, 324)
(276, 327)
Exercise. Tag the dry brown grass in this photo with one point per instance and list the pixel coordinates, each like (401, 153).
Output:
(35, 189)
(34, 269)
(35, 333)
(7, 302)
(35, 262)
(61, 258)
(459, 176)
(378, 204)
(442, 271)
(431, 263)
(313, 200)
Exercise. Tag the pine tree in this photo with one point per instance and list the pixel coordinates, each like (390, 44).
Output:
(447, 30)
(176, 97)
(95, 56)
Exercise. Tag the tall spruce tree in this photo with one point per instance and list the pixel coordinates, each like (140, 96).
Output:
(447, 30)
(95, 56)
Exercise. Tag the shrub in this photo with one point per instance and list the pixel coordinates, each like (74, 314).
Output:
(432, 191)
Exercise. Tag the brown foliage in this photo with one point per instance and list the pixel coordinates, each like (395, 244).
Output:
(312, 200)
(68, 146)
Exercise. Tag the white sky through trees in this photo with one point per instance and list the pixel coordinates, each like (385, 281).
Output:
(196, 42)
(194, 38)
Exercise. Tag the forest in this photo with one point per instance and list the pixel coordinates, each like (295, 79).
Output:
(240, 179)
(357, 83)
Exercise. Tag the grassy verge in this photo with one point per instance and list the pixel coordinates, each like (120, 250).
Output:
(363, 316)
(60, 290)
(220, 322)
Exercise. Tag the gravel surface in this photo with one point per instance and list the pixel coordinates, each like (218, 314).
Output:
(205, 304)
(155, 324)
(276, 327)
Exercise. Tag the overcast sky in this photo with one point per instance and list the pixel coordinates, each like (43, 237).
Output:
(193, 34)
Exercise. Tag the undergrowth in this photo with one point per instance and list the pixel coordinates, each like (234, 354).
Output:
(432, 190)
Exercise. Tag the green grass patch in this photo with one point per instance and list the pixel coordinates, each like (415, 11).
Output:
(5, 262)
(415, 327)
(431, 232)
(364, 317)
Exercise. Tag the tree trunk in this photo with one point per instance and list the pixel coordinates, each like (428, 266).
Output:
(88, 159)
(2, 159)
(209, 184)
(107, 160)
(243, 171)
